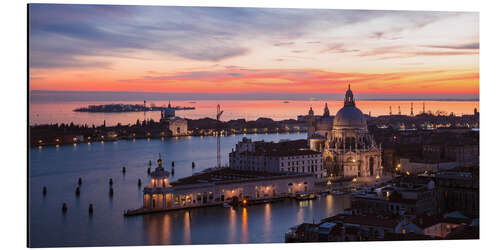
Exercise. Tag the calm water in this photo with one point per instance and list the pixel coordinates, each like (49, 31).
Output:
(62, 112)
(59, 169)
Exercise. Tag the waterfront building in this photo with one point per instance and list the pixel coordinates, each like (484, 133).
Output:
(220, 185)
(285, 156)
(159, 179)
(174, 125)
(347, 147)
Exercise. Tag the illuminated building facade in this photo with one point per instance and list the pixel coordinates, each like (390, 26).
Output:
(175, 126)
(286, 156)
(221, 185)
(348, 149)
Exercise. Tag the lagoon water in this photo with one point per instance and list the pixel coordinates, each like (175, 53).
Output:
(59, 169)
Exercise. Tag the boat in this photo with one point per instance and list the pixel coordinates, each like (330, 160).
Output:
(305, 196)
(338, 193)
(226, 204)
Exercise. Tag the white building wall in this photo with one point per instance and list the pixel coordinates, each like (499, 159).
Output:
(294, 163)
(209, 194)
(178, 127)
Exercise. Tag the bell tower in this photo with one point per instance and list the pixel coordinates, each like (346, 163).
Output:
(349, 97)
(326, 112)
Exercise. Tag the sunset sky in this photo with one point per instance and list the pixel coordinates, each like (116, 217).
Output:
(292, 53)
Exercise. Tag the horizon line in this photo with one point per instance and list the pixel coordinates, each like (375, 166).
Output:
(66, 95)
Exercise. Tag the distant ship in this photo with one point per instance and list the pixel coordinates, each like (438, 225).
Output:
(286, 102)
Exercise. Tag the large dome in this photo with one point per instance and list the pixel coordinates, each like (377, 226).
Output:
(349, 117)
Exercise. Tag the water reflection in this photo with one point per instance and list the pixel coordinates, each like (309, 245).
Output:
(300, 215)
(166, 227)
(267, 222)
(329, 204)
(187, 227)
(232, 225)
(304, 203)
(244, 226)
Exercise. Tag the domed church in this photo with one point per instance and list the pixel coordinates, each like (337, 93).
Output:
(348, 149)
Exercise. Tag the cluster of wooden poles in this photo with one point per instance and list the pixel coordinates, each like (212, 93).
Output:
(111, 190)
(77, 192)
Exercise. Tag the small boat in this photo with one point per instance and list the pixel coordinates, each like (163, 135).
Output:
(286, 102)
(226, 204)
(338, 193)
(305, 196)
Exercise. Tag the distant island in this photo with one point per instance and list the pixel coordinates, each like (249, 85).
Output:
(121, 108)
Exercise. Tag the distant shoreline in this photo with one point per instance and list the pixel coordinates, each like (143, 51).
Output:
(102, 96)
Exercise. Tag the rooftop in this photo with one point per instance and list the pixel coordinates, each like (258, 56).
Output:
(225, 175)
(280, 152)
(369, 220)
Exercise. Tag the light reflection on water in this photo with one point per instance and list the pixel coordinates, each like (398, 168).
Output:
(60, 168)
(187, 227)
(264, 223)
(268, 220)
(244, 226)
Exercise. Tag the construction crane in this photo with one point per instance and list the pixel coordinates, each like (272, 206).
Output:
(219, 114)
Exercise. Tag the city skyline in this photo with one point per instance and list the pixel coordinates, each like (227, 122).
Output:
(254, 52)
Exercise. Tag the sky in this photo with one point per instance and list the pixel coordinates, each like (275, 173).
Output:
(252, 53)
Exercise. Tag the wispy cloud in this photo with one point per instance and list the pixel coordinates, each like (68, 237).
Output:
(77, 32)
(284, 44)
(398, 52)
(337, 48)
(467, 46)
(242, 49)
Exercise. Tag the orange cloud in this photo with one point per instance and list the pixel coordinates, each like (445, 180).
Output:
(234, 80)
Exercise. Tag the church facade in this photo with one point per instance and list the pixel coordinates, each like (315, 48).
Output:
(175, 126)
(348, 149)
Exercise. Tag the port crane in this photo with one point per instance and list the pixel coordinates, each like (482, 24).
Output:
(219, 114)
